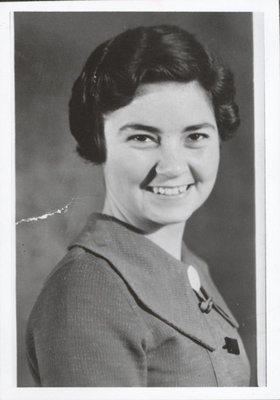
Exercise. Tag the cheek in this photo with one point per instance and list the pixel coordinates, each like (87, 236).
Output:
(210, 163)
(127, 167)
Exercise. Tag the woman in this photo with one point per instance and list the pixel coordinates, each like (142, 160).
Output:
(130, 304)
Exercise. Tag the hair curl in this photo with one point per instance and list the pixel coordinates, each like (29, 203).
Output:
(114, 71)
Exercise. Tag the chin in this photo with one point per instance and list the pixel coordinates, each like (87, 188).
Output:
(170, 218)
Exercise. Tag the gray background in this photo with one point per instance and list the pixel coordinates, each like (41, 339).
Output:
(50, 50)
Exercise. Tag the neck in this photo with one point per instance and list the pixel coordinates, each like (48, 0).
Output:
(169, 238)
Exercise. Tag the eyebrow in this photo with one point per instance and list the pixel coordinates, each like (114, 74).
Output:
(152, 129)
(140, 127)
(198, 127)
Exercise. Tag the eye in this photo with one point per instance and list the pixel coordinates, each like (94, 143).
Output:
(197, 137)
(140, 138)
(143, 140)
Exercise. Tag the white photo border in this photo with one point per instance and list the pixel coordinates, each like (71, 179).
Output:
(267, 192)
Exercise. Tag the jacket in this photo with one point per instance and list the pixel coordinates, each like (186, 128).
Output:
(120, 311)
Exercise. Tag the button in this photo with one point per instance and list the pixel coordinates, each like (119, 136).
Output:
(231, 346)
(206, 305)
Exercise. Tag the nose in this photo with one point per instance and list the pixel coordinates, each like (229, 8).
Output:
(173, 162)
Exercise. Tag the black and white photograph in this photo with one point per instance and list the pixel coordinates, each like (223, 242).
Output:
(140, 206)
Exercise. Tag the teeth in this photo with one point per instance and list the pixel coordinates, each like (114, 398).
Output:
(169, 191)
(182, 188)
(174, 191)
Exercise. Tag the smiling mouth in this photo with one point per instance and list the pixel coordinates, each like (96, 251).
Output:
(169, 191)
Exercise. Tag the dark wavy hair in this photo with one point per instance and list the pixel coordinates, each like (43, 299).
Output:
(116, 68)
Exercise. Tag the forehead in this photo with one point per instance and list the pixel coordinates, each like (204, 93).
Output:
(167, 104)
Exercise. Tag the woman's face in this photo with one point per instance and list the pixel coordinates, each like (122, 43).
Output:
(162, 155)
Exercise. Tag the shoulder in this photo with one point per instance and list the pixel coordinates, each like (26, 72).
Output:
(80, 267)
(80, 283)
(83, 315)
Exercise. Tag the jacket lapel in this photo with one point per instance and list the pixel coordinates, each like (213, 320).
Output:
(158, 280)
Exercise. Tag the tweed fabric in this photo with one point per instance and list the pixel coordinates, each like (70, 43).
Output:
(120, 311)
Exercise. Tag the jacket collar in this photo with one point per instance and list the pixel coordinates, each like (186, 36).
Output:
(157, 279)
